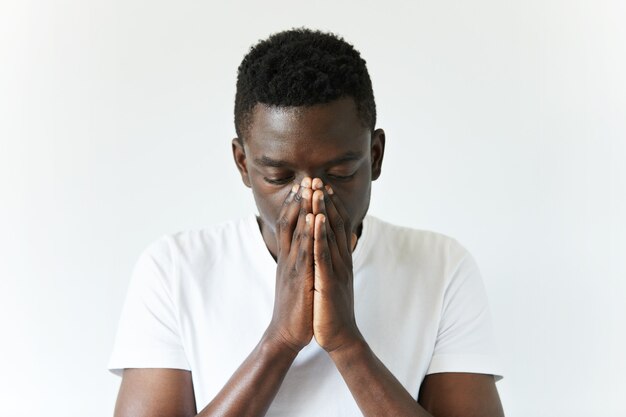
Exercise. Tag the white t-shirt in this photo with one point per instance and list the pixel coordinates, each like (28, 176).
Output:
(201, 300)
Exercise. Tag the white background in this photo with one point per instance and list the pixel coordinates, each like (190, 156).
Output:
(505, 128)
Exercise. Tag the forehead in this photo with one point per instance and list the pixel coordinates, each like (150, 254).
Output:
(304, 132)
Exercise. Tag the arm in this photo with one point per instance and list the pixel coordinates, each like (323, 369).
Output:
(156, 393)
(460, 394)
(169, 392)
(253, 386)
(378, 392)
(375, 389)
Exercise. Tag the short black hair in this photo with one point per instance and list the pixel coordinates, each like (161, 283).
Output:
(302, 67)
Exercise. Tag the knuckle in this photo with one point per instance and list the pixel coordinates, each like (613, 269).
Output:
(282, 223)
(340, 224)
(325, 256)
(292, 272)
(302, 256)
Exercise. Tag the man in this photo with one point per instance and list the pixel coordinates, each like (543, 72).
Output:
(312, 308)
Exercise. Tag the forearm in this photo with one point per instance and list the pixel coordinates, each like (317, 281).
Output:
(253, 386)
(375, 389)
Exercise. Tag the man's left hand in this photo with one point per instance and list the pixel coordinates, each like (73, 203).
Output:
(334, 324)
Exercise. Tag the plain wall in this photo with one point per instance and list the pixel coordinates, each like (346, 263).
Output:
(505, 125)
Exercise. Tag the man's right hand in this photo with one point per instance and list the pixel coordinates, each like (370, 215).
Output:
(292, 318)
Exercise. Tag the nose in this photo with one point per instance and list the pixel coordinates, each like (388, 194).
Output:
(310, 180)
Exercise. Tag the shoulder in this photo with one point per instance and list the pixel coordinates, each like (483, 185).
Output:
(431, 258)
(199, 246)
(413, 242)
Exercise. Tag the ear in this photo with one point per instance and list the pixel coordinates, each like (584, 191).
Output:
(377, 152)
(239, 154)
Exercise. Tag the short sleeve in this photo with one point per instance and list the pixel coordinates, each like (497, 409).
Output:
(465, 339)
(148, 334)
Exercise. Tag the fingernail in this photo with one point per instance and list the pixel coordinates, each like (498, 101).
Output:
(306, 182)
(329, 190)
(317, 184)
(308, 218)
(295, 188)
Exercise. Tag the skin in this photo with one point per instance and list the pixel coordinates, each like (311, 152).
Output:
(310, 171)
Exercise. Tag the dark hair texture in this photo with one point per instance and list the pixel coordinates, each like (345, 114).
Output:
(302, 67)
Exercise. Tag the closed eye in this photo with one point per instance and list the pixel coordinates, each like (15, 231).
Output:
(341, 177)
(278, 181)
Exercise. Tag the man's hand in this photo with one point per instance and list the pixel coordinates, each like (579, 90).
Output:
(292, 319)
(334, 324)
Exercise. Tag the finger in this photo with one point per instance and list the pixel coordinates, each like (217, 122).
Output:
(337, 223)
(321, 251)
(342, 212)
(304, 209)
(335, 234)
(306, 182)
(317, 184)
(317, 203)
(287, 219)
(304, 262)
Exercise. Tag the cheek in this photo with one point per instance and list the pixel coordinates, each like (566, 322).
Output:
(355, 200)
(269, 201)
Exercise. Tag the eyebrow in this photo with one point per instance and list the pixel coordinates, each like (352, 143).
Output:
(266, 161)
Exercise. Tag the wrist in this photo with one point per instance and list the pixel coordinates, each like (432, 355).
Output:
(349, 351)
(273, 344)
